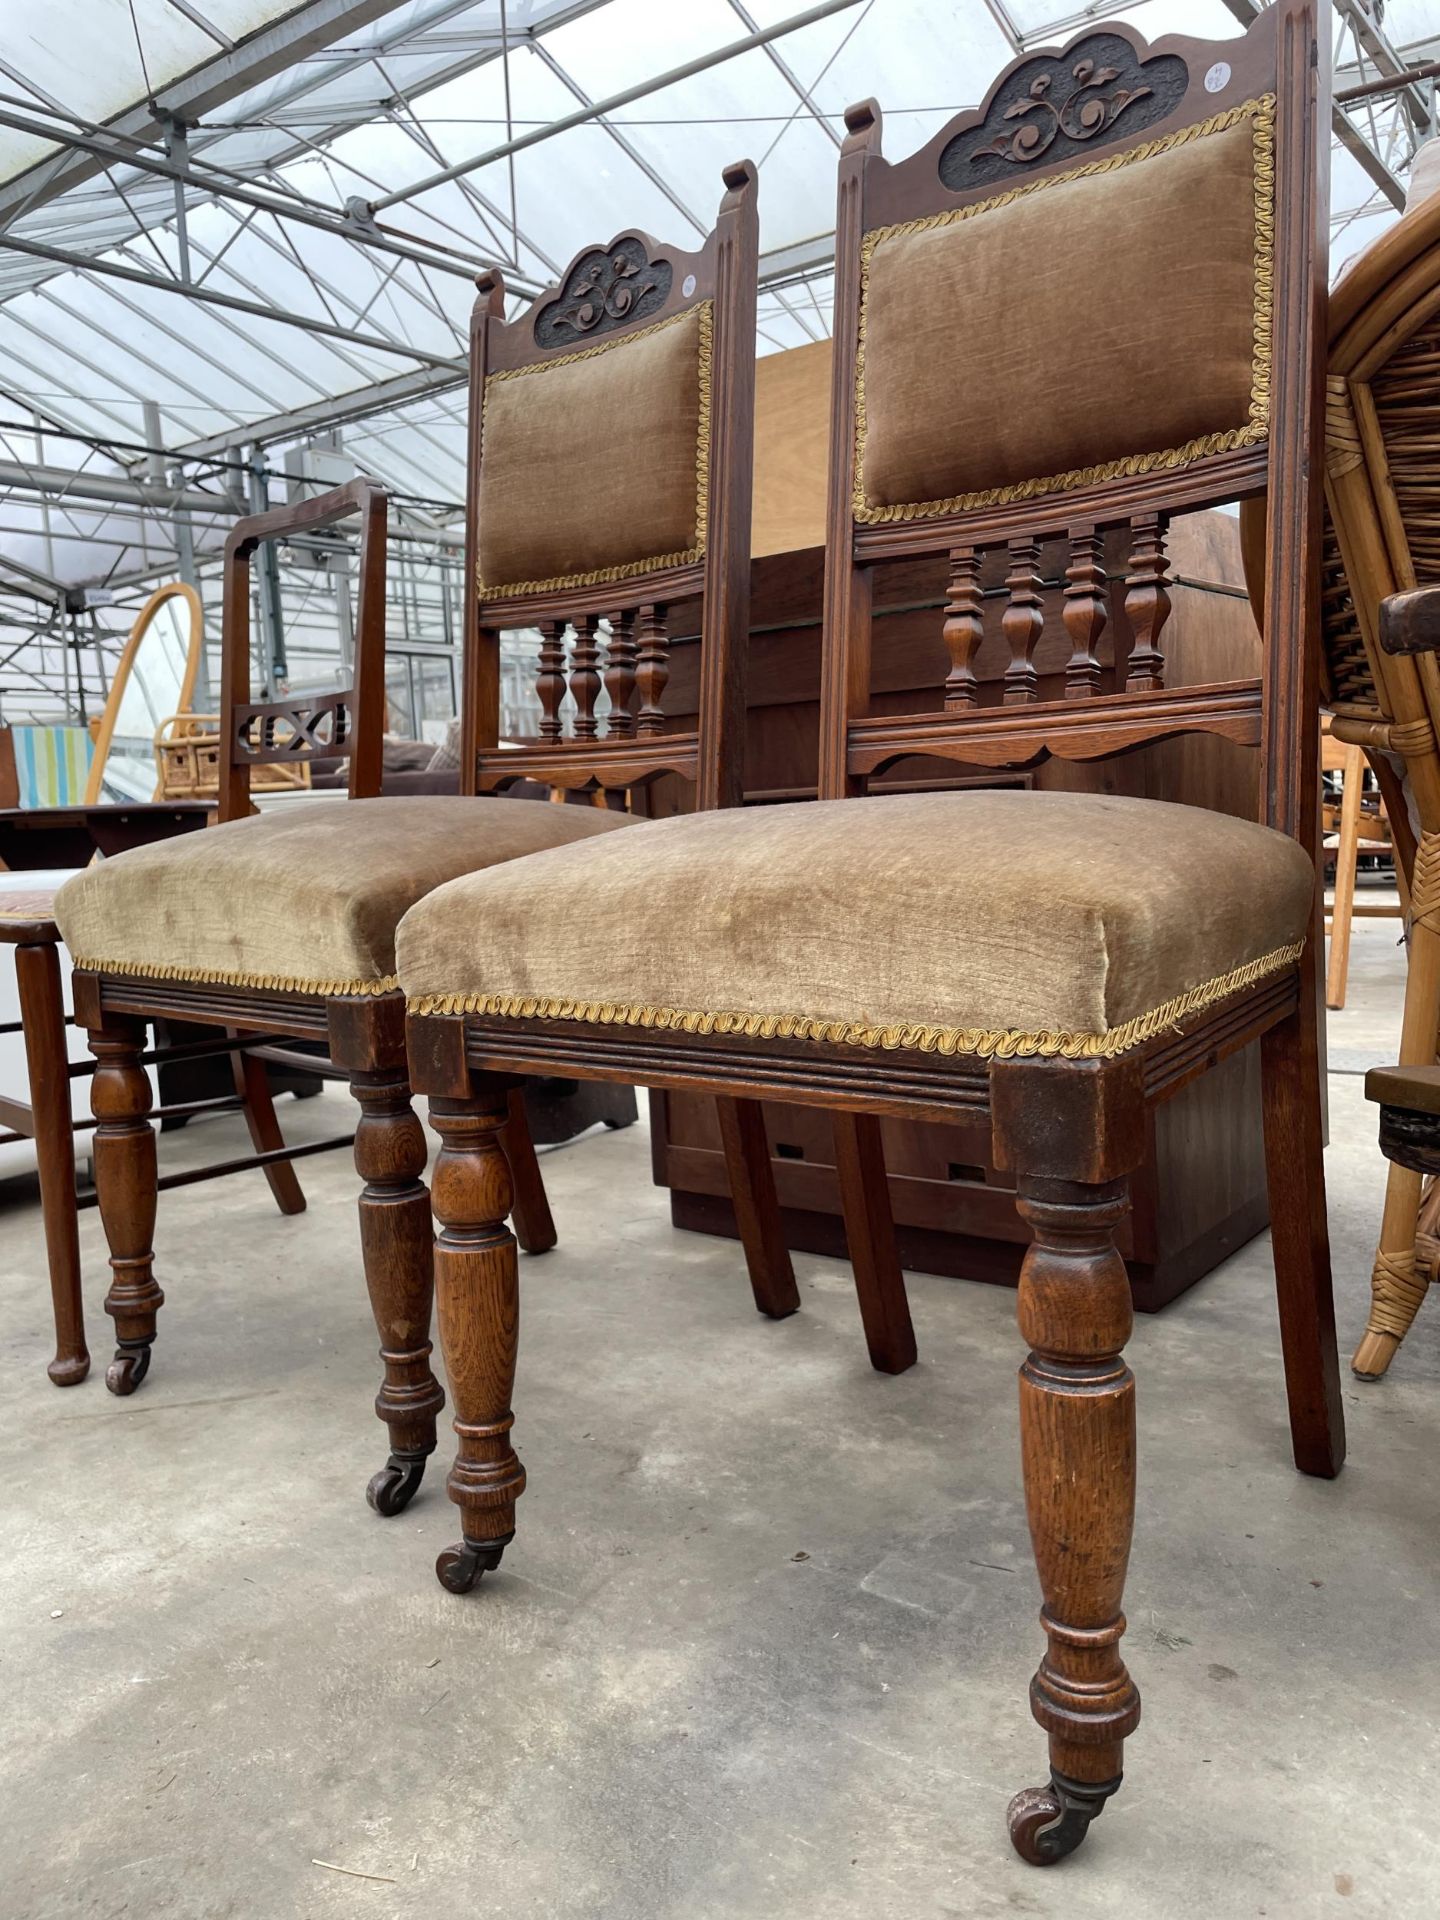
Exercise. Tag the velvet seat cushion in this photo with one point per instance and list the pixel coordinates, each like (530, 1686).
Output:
(982, 922)
(304, 899)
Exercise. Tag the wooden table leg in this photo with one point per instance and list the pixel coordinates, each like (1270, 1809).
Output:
(42, 1012)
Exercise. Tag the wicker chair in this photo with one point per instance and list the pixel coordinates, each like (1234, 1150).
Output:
(1383, 537)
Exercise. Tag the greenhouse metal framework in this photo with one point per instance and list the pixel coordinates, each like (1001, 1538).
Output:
(238, 241)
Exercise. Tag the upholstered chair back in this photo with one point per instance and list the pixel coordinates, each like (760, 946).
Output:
(990, 372)
(611, 429)
(1090, 304)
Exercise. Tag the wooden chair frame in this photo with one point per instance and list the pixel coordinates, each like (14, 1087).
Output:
(363, 1035)
(1072, 1131)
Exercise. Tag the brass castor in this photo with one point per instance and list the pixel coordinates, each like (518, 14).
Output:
(1046, 1823)
(128, 1368)
(459, 1568)
(396, 1484)
(70, 1370)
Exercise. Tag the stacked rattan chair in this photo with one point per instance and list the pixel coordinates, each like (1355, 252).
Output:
(1383, 537)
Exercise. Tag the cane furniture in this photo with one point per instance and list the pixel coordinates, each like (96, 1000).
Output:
(284, 925)
(1055, 961)
(1382, 483)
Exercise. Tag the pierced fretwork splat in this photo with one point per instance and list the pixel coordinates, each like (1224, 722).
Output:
(1023, 622)
(550, 680)
(1085, 611)
(620, 674)
(652, 671)
(585, 675)
(1147, 602)
(964, 627)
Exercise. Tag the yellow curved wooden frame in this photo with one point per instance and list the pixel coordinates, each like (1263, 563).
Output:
(177, 589)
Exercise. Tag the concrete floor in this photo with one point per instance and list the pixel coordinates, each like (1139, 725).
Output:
(762, 1644)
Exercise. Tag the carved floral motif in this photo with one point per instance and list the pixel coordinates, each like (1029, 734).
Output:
(607, 288)
(1087, 112)
(1066, 104)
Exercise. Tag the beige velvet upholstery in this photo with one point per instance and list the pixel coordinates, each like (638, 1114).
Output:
(1107, 316)
(594, 464)
(956, 921)
(307, 898)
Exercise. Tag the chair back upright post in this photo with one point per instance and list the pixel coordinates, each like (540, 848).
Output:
(349, 723)
(1090, 437)
(542, 477)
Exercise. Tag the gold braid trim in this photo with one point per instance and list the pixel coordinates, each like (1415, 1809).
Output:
(1257, 426)
(998, 1044)
(1396, 1291)
(633, 568)
(234, 977)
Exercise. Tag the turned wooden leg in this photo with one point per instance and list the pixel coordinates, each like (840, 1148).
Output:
(757, 1211)
(534, 1225)
(1071, 1134)
(42, 1015)
(477, 1288)
(1077, 1438)
(397, 1244)
(870, 1234)
(1300, 1237)
(252, 1083)
(125, 1177)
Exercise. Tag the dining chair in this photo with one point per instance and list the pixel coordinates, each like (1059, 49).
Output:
(1056, 961)
(284, 923)
(639, 345)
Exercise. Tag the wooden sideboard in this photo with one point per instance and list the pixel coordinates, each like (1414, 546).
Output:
(1201, 1192)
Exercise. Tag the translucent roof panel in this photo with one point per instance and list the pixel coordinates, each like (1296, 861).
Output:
(299, 321)
(97, 57)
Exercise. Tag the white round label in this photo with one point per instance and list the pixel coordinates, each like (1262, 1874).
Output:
(1218, 76)
(689, 285)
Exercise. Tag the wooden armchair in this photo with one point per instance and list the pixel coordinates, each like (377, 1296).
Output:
(285, 924)
(1055, 961)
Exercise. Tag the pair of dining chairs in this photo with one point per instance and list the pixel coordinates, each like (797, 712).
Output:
(1056, 961)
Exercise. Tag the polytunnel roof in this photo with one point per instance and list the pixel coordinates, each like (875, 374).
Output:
(275, 122)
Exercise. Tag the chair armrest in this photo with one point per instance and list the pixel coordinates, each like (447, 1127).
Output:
(1410, 622)
(1409, 1102)
(320, 510)
(1416, 1088)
